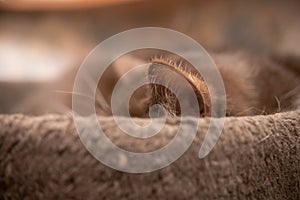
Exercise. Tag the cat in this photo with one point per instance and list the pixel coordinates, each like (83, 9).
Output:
(254, 84)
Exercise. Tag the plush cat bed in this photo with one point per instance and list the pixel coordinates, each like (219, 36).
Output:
(256, 157)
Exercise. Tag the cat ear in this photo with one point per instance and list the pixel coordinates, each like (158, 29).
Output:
(185, 83)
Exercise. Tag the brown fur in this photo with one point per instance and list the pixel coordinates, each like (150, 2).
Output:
(254, 84)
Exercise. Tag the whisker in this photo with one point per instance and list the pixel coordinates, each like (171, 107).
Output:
(262, 111)
(278, 104)
(70, 92)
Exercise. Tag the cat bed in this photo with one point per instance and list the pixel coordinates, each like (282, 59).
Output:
(42, 157)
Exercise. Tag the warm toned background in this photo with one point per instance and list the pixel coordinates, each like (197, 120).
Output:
(39, 42)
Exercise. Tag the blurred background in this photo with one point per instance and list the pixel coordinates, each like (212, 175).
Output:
(41, 41)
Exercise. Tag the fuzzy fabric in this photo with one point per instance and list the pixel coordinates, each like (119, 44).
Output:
(256, 158)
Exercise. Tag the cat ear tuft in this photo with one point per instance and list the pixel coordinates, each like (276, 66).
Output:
(184, 86)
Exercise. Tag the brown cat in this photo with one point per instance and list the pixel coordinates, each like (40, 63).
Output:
(254, 84)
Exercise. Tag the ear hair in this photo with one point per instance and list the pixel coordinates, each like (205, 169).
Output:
(163, 69)
(166, 70)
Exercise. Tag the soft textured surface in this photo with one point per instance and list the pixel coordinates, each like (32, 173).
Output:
(256, 157)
